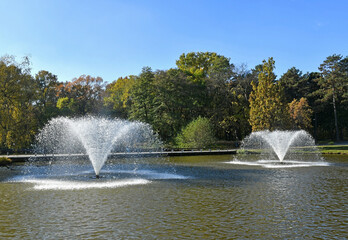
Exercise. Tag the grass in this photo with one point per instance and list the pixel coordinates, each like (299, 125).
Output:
(324, 149)
(333, 149)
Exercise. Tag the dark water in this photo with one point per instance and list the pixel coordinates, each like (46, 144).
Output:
(198, 197)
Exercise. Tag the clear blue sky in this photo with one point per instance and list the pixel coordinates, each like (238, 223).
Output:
(110, 38)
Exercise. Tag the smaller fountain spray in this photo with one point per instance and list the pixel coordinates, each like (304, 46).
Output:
(280, 141)
(287, 148)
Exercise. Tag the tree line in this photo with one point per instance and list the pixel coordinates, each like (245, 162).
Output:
(205, 87)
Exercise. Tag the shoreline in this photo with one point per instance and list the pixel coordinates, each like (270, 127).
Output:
(47, 157)
(17, 158)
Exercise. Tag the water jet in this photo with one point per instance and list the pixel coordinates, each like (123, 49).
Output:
(96, 137)
(279, 149)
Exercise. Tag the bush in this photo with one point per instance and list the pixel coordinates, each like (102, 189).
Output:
(5, 161)
(197, 134)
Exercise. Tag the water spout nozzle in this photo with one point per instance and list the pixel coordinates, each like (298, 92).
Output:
(97, 176)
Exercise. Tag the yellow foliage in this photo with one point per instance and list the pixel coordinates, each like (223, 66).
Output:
(267, 110)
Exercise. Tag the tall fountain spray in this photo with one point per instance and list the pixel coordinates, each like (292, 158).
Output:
(96, 137)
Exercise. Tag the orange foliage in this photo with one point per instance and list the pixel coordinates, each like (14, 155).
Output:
(300, 113)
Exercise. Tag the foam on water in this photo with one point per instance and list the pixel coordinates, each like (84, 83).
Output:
(46, 184)
(277, 164)
(112, 178)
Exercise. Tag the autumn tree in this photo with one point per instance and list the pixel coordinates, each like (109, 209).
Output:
(300, 114)
(81, 96)
(267, 109)
(118, 97)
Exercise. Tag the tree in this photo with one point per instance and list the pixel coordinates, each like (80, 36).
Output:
(143, 93)
(85, 95)
(294, 84)
(267, 109)
(300, 114)
(333, 84)
(197, 134)
(173, 102)
(17, 96)
(236, 122)
(218, 104)
(200, 65)
(212, 74)
(46, 99)
(118, 96)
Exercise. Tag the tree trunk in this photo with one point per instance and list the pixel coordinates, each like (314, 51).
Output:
(315, 127)
(335, 114)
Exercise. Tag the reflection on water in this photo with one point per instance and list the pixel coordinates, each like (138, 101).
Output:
(199, 198)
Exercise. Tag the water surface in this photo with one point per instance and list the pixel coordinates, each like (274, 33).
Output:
(199, 197)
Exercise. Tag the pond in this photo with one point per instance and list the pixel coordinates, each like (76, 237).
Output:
(196, 197)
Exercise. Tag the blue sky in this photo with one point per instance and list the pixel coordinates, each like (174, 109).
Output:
(111, 39)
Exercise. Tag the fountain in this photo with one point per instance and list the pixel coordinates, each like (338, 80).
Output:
(96, 137)
(280, 149)
(64, 144)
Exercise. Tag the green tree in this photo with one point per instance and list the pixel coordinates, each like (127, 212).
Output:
(66, 106)
(294, 84)
(200, 65)
(173, 104)
(46, 98)
(197, 134)
(212, 74)
(18, 123)
(218, 106)
(333, 84)
(143, 93)
(209, 71)
(267, 109)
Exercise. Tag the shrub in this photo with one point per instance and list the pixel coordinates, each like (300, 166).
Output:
(197, 134)
(5, 161)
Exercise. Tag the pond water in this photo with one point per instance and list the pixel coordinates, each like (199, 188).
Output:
(197, 197)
